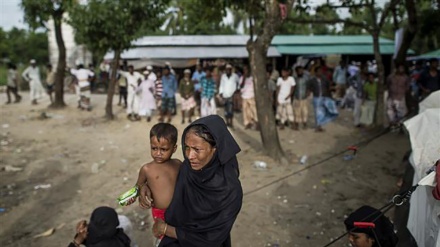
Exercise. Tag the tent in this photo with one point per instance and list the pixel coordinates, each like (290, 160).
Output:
(424, 214)
(426, 56)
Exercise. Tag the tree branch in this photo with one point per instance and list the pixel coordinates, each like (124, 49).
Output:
(330, 21)
(392, 5)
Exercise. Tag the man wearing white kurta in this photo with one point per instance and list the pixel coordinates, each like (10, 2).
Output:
(133, 80)
(32, 75)
(83, 76)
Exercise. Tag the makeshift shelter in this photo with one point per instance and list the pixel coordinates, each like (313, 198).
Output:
(424, 214)
(426, 56)
(185, 50)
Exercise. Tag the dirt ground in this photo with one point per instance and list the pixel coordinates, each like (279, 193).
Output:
(88, 162)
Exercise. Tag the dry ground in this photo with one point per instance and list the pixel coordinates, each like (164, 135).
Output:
(88, 162)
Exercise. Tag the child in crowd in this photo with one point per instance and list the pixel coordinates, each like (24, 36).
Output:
(160, 174)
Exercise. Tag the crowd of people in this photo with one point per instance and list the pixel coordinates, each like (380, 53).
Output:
(201, 91)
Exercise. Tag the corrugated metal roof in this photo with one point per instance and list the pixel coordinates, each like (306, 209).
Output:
(326, 39)
(360, 49)
(193, 40)
(432, 54)
(179, 52)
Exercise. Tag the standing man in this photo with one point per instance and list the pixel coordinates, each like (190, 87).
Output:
(285, 88)
(250, 117)
(196, 78)
(169, 84)
(147, 102)
(186, 90)
(158, 89)
(12, 86)
(83, 77)
(300, 96)
(151, 75)
(272, 84)
(398, 85)
(208, 88)
(228, 85)
(370, 98)
(134, 79)
(340, 79)
(357, 83)
(429, 80)
(122, 83)
(50, 81)
(32, 75)
(324, 107)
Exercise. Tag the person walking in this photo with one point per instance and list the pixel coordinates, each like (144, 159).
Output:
(323, 105)
(186, 90)
(228, 86)
(300, 95)
(32, 75)
(147, 102)
(122, 83)
(250, 118)
(398, 85)
(83, 77)
(12, 85)
(370, 99)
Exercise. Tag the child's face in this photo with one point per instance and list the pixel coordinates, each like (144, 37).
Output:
(162, 149)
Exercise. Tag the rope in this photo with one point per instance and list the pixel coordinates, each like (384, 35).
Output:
(362, 143)
(403, 198)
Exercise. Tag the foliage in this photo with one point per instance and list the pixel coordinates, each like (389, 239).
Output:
(108, 24)
(19, 46)
(38, 12)
(195, 17)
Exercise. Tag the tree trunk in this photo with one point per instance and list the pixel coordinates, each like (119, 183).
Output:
(266, 118)
(61, 67)
(111, 87)
(379, 119)
(409, 33)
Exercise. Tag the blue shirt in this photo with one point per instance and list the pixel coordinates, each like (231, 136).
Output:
(197, 76)
(208, 87)
(169, 84)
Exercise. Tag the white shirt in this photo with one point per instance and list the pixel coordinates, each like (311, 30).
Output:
(132, 79)
(32, 74)
(284, 89)
(228, 85)
(83, 76)
(247, 92)
(152, 76)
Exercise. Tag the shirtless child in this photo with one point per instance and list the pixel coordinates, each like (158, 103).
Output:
(160, 174)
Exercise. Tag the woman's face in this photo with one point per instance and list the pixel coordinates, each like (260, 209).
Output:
(360, 240)
(198, 151)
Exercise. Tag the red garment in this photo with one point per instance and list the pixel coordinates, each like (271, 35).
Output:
(158, 213)
(436, 190)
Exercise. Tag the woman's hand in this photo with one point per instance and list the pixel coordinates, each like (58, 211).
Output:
(81, 232)
(145, 199)
(159, 228)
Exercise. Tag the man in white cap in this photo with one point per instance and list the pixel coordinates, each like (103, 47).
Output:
(151, 75)
(32, 75)
(134, 79)
(229, 83)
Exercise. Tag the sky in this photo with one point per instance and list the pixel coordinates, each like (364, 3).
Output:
(12, 15)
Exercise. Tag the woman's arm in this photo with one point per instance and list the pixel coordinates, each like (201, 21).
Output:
(160, 228)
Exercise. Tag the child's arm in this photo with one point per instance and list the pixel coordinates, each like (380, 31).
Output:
(142, 177)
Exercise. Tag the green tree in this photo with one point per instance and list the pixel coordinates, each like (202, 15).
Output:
(105, 25)
(37, 13)
(197, 17)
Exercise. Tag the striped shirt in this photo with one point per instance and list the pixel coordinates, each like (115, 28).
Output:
(159, 88)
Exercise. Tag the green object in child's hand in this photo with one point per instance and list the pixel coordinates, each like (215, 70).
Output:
(127, 196)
